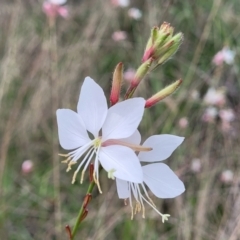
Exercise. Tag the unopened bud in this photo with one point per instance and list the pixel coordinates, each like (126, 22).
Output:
(116, 84)
(156, 45)
(163, 94)
(84, 214)
(170, 48)
(87, 199)
(141, 72)
(149, 50)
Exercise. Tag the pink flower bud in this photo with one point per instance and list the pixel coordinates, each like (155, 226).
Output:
(119, 36)
(163, 94)
(183, 122)
(120, 3)
(226, 176)
(27, 166)
(210, 114)
(116, 84)
(129, 74)
(196, 165)
(52, 10)
(225, 55)
(134, 13)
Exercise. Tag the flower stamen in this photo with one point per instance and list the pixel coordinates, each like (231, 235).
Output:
(134, 147)
(97, 182)
(70, 164)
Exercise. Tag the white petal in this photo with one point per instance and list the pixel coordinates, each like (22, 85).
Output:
(71, 132)
(57, 2)
(135, 138)
(123, 160)
(92, 106)
(162, 181)
(123, 119)
(162, 147)
(122, 189)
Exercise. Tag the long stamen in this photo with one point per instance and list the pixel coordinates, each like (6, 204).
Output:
(134, 147)
(69, 166)
(140, 197)
(164, 216)
(96, 174)
(80, 165)
(86, 165)
(130, 201)
(145, 191)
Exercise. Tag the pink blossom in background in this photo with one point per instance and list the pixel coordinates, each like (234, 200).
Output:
(134, 13)
(225, 55)
(227, 116)
(195, 95)
(226, 176)
(196, 165)
(210, 114)
(120, 3)
(27, 166)
(119, 36)
(215, 97)
(53, 8)
(183, 122)
(129, 74)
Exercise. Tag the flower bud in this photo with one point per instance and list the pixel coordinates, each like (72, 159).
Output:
(162, 44)
(170, 48)
(27, 167)
(149, 50)
(163, 94)
(141, 72)
(116, 84)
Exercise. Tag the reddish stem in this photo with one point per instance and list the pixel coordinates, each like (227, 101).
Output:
(91, 169)
(87, 199)
(69, 232)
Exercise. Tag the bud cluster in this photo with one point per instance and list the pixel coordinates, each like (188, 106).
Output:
(161, 46)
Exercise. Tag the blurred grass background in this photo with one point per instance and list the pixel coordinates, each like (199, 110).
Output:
(39, 204)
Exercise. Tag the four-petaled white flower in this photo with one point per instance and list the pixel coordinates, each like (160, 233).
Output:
(159, 178)
(105, 133)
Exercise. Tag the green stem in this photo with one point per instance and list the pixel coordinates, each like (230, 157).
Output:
(78, 221)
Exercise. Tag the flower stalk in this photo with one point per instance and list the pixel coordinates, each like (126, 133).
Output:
(163, 94)
(107, 143)
(140, 74)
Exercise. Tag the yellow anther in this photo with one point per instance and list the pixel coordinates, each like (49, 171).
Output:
(143, 212)
(69, 166)
(67, 160)
(97, 182)
(131, 213)
(110, 174)
(63, 155)
(82, 176)
(74, 177)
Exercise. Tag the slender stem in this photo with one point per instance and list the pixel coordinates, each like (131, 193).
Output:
(78, 221)
(54, 88)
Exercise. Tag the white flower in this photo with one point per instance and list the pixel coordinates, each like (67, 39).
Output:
(215, 97)
(159, 178)
(120, 3)
(109, 148)
(225, 55)
(134, 13)
(57, 2)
